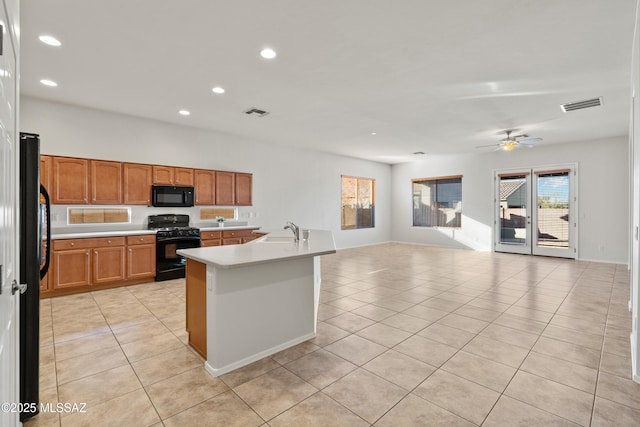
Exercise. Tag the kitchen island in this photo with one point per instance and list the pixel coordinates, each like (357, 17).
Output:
(249, 301)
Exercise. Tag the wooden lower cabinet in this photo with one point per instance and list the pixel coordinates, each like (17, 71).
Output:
(108, 264)
(44, 282)
(237, 237)
(71, 268)
(210, 238)
(80, 265)
(227, 237)
(232, 241)
(141, 257)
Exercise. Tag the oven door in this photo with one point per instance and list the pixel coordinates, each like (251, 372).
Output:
(170, 265)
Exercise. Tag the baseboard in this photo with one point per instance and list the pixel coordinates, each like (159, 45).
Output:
(365, 245)
(216, 372)
(602, 261)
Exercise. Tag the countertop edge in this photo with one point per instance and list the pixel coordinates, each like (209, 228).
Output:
(255, 253)
(91, 234)
(256, 262)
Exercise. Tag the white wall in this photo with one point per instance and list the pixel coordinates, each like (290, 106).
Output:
(603, 195)
(304, 186)
(288, 183)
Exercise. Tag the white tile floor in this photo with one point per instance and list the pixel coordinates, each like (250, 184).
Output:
(408, 335)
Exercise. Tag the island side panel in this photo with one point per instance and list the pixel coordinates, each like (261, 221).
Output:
(258, 310)
(196, 278)
(317, 282)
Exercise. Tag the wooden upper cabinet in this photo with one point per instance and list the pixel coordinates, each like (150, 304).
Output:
(169, 175)
(70, 181)
(45, 172)
(243, 186)
(182, 176)
(106, 182)
(163, 175)
(137, 184)
(225, 188)
(205, 186)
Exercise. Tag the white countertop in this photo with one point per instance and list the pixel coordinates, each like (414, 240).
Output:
(79, 234)
(276, 246)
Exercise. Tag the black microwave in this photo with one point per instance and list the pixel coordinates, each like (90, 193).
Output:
(168, 196)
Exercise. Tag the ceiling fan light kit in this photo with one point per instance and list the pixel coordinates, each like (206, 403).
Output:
(512, 142)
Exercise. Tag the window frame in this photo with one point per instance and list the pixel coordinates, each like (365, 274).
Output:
(434, 179)
(357, 226)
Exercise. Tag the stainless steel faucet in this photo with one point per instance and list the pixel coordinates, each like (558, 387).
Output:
(296, 230)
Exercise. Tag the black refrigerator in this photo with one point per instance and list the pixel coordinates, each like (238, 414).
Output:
(35, 226)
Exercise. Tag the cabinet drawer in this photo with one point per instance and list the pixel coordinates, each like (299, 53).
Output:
(236, 233)
(247, 239)
(67, 244)
(204, 235)
(141, 240)
(107, 241)
(93, 242)
(210, 242)
(232, 241)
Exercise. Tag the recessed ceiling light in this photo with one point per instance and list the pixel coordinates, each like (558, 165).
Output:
(184, 112)
(217, 90)
(47, 82)
(268, 53)
(373, 134)
(50, 40)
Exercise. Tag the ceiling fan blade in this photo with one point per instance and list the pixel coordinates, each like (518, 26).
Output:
(490, 145)
(529, 140)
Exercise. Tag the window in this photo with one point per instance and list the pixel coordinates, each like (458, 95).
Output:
(357, 202)
(437, 202)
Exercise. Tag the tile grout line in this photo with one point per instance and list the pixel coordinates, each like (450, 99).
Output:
(531, 349)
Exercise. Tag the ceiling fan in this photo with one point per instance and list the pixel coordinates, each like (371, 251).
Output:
(512, 142)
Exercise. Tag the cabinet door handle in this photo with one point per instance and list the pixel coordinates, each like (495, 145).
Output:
(73, 244)
(109, 241)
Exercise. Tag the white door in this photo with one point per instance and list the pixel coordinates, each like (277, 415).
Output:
(9, 303)
(536, 211)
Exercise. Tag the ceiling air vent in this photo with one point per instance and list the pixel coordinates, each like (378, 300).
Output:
(572, 106)
(258, 112)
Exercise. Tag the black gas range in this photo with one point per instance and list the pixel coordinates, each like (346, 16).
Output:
(173, 233)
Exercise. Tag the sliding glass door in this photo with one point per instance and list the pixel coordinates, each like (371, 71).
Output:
(536, 211)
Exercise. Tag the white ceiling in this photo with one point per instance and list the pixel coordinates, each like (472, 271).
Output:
(425, 75)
